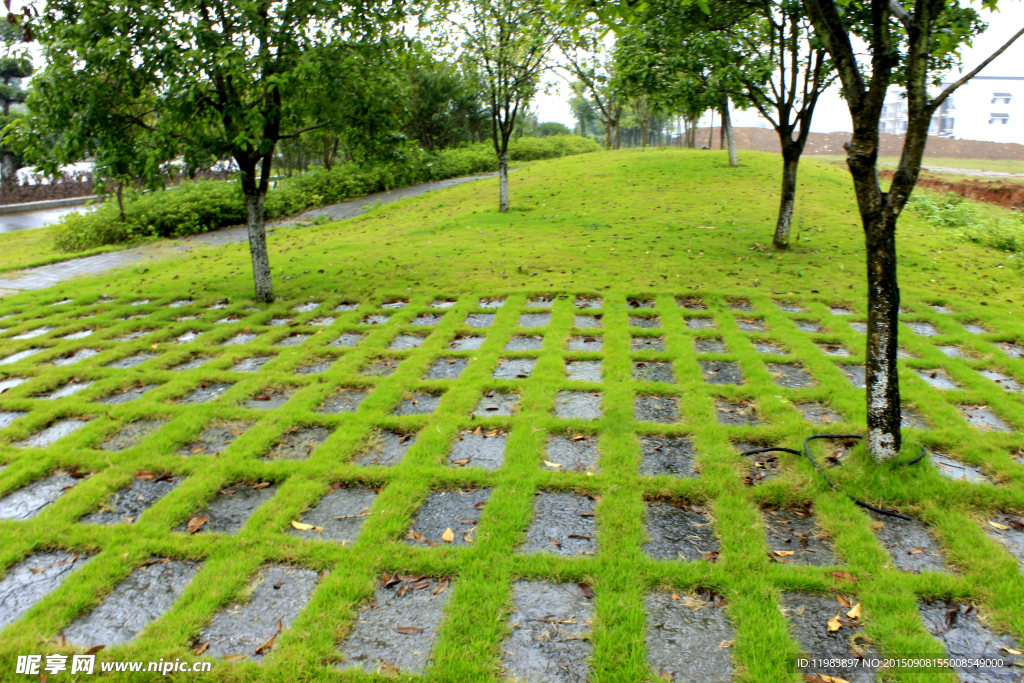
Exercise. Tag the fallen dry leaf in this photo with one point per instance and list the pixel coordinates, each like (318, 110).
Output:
(448, 536)
(784, 553)
(301, 526)
(834, 624)
(195, 523)
(551, 464)
(842, 601)
(266, 646)
(201, 648)
(585, 590)
(441, 587)
(409, 630)
(854, 612)
(261, 485)
(844, 576)
(1001, 527)
(94, 649)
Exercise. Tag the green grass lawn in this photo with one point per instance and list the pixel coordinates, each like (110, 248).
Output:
(647, 233)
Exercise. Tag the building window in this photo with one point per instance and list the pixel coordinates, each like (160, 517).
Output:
(1001, 98)
(999, 118)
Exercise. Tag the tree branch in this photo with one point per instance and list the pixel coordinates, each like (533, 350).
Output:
(974, 72)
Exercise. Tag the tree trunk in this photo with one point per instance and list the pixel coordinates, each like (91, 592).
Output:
(618, 136)
(255, 194)
(730, 138)
(790, 161)
(503, 182)
(711, 131)
(643, 137)
(8, 171)
(120, 202)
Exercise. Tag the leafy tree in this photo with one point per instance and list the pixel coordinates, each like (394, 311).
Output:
(446, 105)
(13, 68)
(551, 128)
(201, 81)
(587, 58)
(910, 44)
(583, 110)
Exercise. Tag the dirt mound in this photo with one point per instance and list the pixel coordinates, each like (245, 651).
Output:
(1009, 195)
(767, 140)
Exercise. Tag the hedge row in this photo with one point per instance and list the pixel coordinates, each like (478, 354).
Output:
(208, 205)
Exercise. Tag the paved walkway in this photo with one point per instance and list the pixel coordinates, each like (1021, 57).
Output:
(48, 276)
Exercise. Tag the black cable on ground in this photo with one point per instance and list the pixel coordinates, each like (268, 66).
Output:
(832, 485)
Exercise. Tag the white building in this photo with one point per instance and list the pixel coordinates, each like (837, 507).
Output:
(987, 108)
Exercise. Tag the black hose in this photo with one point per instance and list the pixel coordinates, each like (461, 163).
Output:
(832, 485)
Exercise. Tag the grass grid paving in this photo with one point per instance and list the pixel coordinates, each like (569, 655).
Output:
(484, 565)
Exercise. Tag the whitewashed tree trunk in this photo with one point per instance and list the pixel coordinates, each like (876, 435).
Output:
(730, 137)
(258, 248)
(503, 183)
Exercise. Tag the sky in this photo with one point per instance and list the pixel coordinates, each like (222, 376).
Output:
(831, 113)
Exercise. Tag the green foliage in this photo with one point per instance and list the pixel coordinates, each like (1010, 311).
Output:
(551, 128)
(963, 218)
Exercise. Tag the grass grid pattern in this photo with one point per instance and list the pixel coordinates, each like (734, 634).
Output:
(469, 642)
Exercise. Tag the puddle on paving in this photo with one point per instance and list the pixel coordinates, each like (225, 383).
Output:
(125, 506)
(382, 367)
(205, 392)
(790, 375)
(492, 303)
(794, 538)
(145, 596)
(251, 364)
(345, 400)
(515, 368)
(127, 395)
(819, 413)
(385, 448)
(646, 344)
(808, 615)
(1012, 537)
(240, 338)
(679, 531)
(315, 368)
(32, 579)
(1005, 381)
(550, 628)
(298, 443)
(709, 345)
(965, 636)
(9, 416)
(653, 371)
(909, 418)
(833, 349)
(348, 339)
(191, 363)
(338, 516)
(585, 322)
(563, 524)
(585, 302)
(571, 454)
(28, 501)
(721, 372)
(690, 303)
(1012, 350)
(426, 319)
(270, 398)
(496, 403)
(808, 325)
(215, 438)
(479, 320)
(478, 448)
(645, 322)
(652, 408)
(420, 403)
(230, 508)
(376, 319)
(466, 342)
(278, 594)
(293, 339)
(975, 329)
(523, 343)
(77, 356)
(20, 355)
(405, 341)
(937, 379)
(909, 543)
(530, 320)
(132, 361)
(854, 373)
(769, 348)
(443, 303)
(579, 405)
(446, 368)
(671, 455)
(395, 631)
(956, 470)
(72, 387)
(583, 370)
(750, 325)
(52, 433)
(982, 417)
(689, 638)
(457, 512)
(922, 329)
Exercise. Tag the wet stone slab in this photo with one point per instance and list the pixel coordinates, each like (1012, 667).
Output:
(667, 455)
(796, 532)
(492, 303)
(427, 320)
(240, 338)
(700, 323)
(750, 325)
(1005, 381)
(191, 363)
(956, 470)
(830, 349)
(27, 502)
(125, 506)
(769, 348)
(531, 320)
(975, 329)
(298, 443)
(395, 304)
(653, 408)
(709, 345)
(721, 372)
(382, 367)
(186, 337)
(314, 368)
(583, 370)
(1011, 537)
(563, 524)
(515, 368)
(840, 310)
(647, 344)
(52, 433)
(131, 435)
(690, 303)
(760, 466)
(80, 355)
(345, 400)
(983, 418)
(550, 626)
(20, 355)
(207, 391)
(270, 398)
(322, 321)
(653, 371)
(688, 639)
(854, 373)
(922, 329)
(37, 332)
(480, 320)
(571, 454)
(385, 449)
(11, 382)
(1012, 350)
(808, 615)
(466, 342)
(965, 636)
(860, 328)
(294, 339)
(278, 595)
(405, 341)
(496, 403)
(446, 368)
(578, 405)
(418, 403)
(819, 413)
(457, 510)
(279, 322)
(349, 339)
(338, 516)
(32, 579)
(443, 303)
(216, 438)
(910, 418)
(679, 531)
(524, 343)
(583, 302)
(132, 361)
(396, 630)
(584, 343)
(253, 364)
(145, 596)
(808, 325)
(585, 322)
(8, 417)
(789, 307)
(790, 375)
(231, 508)
(937, 378)
(639, 303)
(377, 319)
(478, 449)
(908, 542)
(650, 322)
(127, 395)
